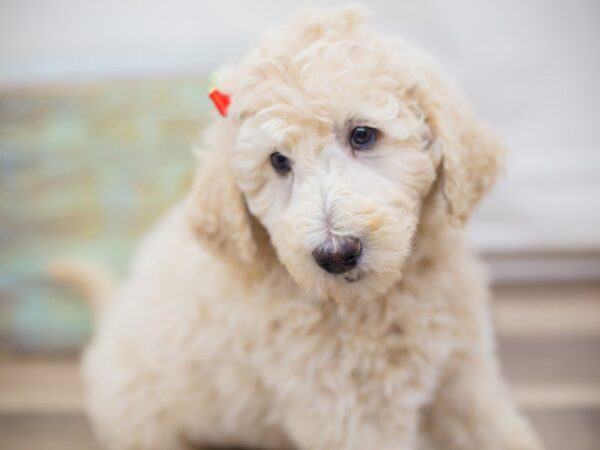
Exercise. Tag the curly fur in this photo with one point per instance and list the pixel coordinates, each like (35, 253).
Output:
(227, 333)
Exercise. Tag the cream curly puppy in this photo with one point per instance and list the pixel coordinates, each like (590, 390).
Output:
(313, 291)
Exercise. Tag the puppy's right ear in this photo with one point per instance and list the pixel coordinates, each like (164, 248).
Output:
(217, 212)
(472, 156)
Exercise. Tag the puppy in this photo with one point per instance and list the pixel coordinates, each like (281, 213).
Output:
(313, 290)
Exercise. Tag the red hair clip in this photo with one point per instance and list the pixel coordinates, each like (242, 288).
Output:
(220, 100)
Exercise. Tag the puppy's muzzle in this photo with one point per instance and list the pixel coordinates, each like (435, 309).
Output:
(338, 255)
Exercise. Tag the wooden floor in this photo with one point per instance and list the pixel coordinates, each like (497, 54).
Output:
(549, 341)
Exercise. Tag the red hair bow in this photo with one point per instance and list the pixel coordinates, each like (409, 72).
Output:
(220, 100)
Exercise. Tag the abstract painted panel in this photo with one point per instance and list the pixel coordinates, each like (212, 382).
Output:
(84, 170)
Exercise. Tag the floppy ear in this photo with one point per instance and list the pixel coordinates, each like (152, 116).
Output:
(217, 211)
(472, 157)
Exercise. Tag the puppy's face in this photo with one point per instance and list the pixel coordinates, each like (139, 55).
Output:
(335, 159)
(333, 141)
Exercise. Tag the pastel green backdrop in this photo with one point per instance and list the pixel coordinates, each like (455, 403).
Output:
(84, 171)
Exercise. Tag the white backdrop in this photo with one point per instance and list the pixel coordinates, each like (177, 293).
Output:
(530, 68)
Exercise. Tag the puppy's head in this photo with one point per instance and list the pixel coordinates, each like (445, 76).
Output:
(334, 139)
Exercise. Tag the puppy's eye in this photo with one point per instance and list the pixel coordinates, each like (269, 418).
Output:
(363, 138)
(280, 163)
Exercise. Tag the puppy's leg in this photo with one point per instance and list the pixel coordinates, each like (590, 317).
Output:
(133, 408)
(474, 410)
(315, 422)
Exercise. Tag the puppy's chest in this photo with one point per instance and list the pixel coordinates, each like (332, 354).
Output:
(368, 354)
(395, 352)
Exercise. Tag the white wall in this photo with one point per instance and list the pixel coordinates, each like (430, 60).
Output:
(531, 69)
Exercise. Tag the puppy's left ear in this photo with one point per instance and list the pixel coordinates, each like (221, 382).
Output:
(472, 156)
(217, 212)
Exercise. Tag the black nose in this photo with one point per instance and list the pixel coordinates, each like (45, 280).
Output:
(338, 255)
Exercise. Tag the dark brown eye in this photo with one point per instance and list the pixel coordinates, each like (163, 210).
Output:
(363, 138)
(280, 163)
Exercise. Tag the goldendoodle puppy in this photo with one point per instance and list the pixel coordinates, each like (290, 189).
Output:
(313, 291)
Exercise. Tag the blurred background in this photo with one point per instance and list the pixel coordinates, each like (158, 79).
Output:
(100, 103)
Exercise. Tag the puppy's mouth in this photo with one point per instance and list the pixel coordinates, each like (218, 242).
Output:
(354, 277)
